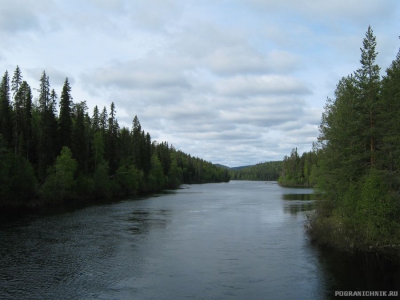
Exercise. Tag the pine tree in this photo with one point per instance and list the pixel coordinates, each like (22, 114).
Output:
(27, 121)
(6, 126)
(65, 117)
(16, 81)
(95, 119)
(136, 142)
(368, 82)
(47, 148)
(23, 121)
(18, 110)
(112, 139)
(79, 149)
(103, 121)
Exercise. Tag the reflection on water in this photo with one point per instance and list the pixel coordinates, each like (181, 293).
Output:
(301, 197)
(298, 201)
(364, 273)
(300, 206)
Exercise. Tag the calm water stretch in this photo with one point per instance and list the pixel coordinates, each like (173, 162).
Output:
(237, 240)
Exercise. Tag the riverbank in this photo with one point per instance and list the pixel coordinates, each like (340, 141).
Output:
(293, 185)
(36, 204)
(326, 229)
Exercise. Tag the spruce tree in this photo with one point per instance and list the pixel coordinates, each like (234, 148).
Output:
(23, 120)
(6, 126)
(16, 81)
(112, 138)
(65, 117)
(95, 119)
(47, 148)
(136, 142)
(79, 150)
(368, 82)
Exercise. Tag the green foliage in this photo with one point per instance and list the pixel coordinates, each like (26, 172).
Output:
(47, 127)
(79, 136)
(156, 175)
(174, 174)
(377, 209)
(127, 179)
(60, 183)
(98, 148)
(299, 171)
(65, 117)
(17, 178)
(6, 126)
(263, 171)
(102, 184)
(358, 160)
(84, 186)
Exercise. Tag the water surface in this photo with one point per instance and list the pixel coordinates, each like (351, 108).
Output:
(238, 240)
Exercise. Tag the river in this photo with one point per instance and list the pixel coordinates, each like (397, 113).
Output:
(236, 240)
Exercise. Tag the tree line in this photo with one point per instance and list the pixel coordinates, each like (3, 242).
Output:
(50, 155)
(358, 160)
(299, 170)
(262, 171)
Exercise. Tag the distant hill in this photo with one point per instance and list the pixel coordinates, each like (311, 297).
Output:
(222, 166)
(232, 169)
(263, 171)
(242, 167)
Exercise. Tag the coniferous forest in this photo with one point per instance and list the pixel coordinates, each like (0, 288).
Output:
(268, 171)
(52, 150)
(356, 164)
(299, 170)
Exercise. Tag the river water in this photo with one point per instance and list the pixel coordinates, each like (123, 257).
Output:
(236, 240)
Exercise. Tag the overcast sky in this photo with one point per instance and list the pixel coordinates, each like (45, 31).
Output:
(234, 82)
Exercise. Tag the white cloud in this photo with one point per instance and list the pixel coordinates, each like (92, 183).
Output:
(259, 85)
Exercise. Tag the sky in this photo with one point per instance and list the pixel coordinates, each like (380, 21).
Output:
(234, 82)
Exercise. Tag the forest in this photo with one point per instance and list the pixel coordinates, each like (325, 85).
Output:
(355, 165)
(299, 171)
(52, 151)
(262, 171)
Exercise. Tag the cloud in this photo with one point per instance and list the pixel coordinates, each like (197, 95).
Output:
(142, 74)
(56, 77)
(348, 11)
(259, 85)
(231, 61)
(21, 15)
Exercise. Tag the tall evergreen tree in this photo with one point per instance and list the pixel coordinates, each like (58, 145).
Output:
(65, 117)
(23, 120)
(136, 142)
(16, 81)
(6, 125)
(103, 121)
(47, 148)
(79, 136)
(19, 106)
(95, 119)
(112, 138)
(368, 82)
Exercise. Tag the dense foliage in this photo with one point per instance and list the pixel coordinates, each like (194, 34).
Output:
(358, 173)
(299, 171)
(262, 171)
(51, 156)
